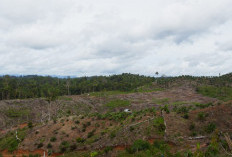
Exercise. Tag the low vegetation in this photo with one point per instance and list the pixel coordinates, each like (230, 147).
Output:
(169, 116)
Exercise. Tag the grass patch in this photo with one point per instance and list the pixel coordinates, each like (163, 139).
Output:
(222, 93)
(179, 103)
(10, 142)
(159, 124)
(108, 93)
(160, 101)
(14, 113)
(64, 98)
(199, 105)
(144, 89)
(118, 103)
(147, 88)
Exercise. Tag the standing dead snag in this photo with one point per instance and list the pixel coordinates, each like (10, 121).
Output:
(16, 135)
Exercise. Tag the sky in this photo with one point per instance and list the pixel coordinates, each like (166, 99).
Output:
(105, 37)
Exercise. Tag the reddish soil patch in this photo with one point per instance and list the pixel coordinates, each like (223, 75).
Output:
(121, 148)
(21, 126)
(20, 153)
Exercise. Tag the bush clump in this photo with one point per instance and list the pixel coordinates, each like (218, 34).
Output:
(64, 146)
(210, 127)
(80, 140)
(53, 139)
(201, 116)
(139, 145)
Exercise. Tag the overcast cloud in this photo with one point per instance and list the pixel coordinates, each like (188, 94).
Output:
(104, 37)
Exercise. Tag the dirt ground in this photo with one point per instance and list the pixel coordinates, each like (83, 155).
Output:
(177, 130)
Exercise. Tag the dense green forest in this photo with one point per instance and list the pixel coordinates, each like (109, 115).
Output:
(33, 86)
(12, 87)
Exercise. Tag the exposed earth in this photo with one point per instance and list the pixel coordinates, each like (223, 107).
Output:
(93, 122)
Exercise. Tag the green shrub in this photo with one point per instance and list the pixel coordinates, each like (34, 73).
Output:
(139, 145)
(107, 149)
(64, 146)
(93, 154)
(49, 145)
(165, 108)
(192, 126)
(186, 116)
(182, 109)
(40, 145)
(159, 124)
(53, 139)
(73, 147)
(222, 93)
(80, 140)
(201, 116)
(88, 123)
(210, 127)
(91, 133)
(118, 103)
(193, 134)
(113, 134)
(199, 105)
(30, 125)
(14, 113)
(131, 128)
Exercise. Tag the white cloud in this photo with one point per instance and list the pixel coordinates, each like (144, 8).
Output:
(73, 37)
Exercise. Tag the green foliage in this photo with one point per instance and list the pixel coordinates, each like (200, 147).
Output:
(139, 145)
(93, 154)
(213, 149)
(118, 103)
(30, 125)
(165, 108)
(33, 86)
(73, 147)
(159, 124)
(199, 105)
(210, 127)
(201, 116)
(80, 140)
(49, 145)
(77, 122)
(9, 141)
(64, 98)
(17, 112)
(182, 109)
(147, 88)
(91, 133)
(131, 128)
(186, 116)
(112, 134)
(109, 93)
(163, 101)
(192, 126)
(117, 116)
(40, 145)
(221, 92)
(53, 139)
(64, 146)
(108, 149)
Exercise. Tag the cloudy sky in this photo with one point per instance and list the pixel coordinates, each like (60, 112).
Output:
(104, 37)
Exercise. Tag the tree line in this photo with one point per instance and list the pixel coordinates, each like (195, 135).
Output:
(33, 86)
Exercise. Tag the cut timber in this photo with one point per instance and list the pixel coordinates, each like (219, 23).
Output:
(196, 138)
